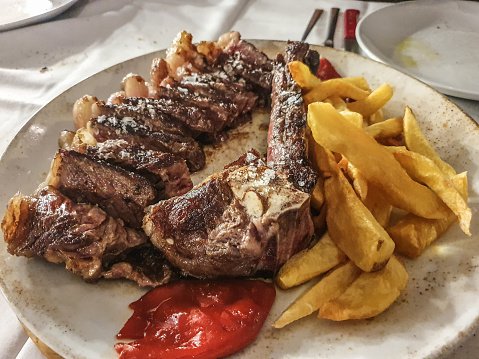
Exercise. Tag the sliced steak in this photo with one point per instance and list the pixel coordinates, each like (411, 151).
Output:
(242, 221)
(195, 118)
(287, 143)
(104, 128)
(145, 115)
(229, 105)
(168, 173)
(53, 227)
(122, 194)
(143, 264)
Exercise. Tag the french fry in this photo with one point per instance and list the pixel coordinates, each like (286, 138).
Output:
(303, 76)
(413, 234)
(317, 197)
(310, 263)
(355, 118)
(388, 128)
(376, 163)
(417, 142)
(425, 171)
(328, 288)
(376, 117)
(335, 87)
(337, 102)
(369, 295)
(378, 206)
(360, 184)
(373, 102)
(353, 228)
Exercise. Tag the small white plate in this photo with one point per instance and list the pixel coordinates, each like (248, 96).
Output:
(434, 41)
(16, 13)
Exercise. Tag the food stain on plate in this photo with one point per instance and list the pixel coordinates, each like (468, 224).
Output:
(410, 52)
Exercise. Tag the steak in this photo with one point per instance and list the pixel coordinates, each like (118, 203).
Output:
(287, 143)
(145, 115)
(53, 227)
(105, 128)
(242, 221)
(143, 264)
(168, 173)
(196, 119)
(120, 193)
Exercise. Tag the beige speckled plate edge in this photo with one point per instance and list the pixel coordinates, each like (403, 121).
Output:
(435, 313)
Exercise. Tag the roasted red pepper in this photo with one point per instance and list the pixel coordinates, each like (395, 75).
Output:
(196, 319)
(326, 71)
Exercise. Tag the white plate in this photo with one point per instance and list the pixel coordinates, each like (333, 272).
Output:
(436, 311)
(16, 13)
(435, 41)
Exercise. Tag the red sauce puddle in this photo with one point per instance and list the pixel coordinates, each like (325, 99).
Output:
(196, 319)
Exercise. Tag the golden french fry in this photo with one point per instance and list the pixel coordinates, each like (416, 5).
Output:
(375, 163)
(354, 117)
(328, 288)
(337, 102)
(369, 295)
(358, 82)
(378, 206)
(317, 197)
(376, 117)
(322, 160)
(417, 142)
(373, 102)
(425, 171)
(353, 228)
(335, 87)
(360, 184)
(388, 128)
(310, 263)
(303, 76)
(413, 234)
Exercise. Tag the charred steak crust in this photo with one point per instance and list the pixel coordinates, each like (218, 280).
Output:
(120, 193)
(168, 173)
(104, 128)
(287, 144)
(243, 220)
(52, 226)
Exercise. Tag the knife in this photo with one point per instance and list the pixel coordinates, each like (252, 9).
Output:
(350, 22)
(333, 18)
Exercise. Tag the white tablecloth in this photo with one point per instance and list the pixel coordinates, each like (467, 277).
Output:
(39, 62)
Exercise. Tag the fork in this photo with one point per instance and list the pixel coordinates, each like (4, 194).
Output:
(316, 15)
(333, 19)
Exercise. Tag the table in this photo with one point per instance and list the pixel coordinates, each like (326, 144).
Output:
(39, 62)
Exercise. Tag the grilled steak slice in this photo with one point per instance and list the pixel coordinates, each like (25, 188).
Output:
(52, 226)
(146, 115)
(168, 173)
(143, 264)
(195, 118)
(120, 193)
(239, 222)
(242, 59)
(287, 146)
(104, 128)
(228, 105)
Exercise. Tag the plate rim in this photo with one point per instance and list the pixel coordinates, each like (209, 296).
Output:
(30, 20)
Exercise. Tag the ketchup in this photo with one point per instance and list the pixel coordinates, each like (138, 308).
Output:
(196, 319)
(326, 71)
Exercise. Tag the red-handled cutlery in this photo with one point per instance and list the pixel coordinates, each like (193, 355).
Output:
(350, 22)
